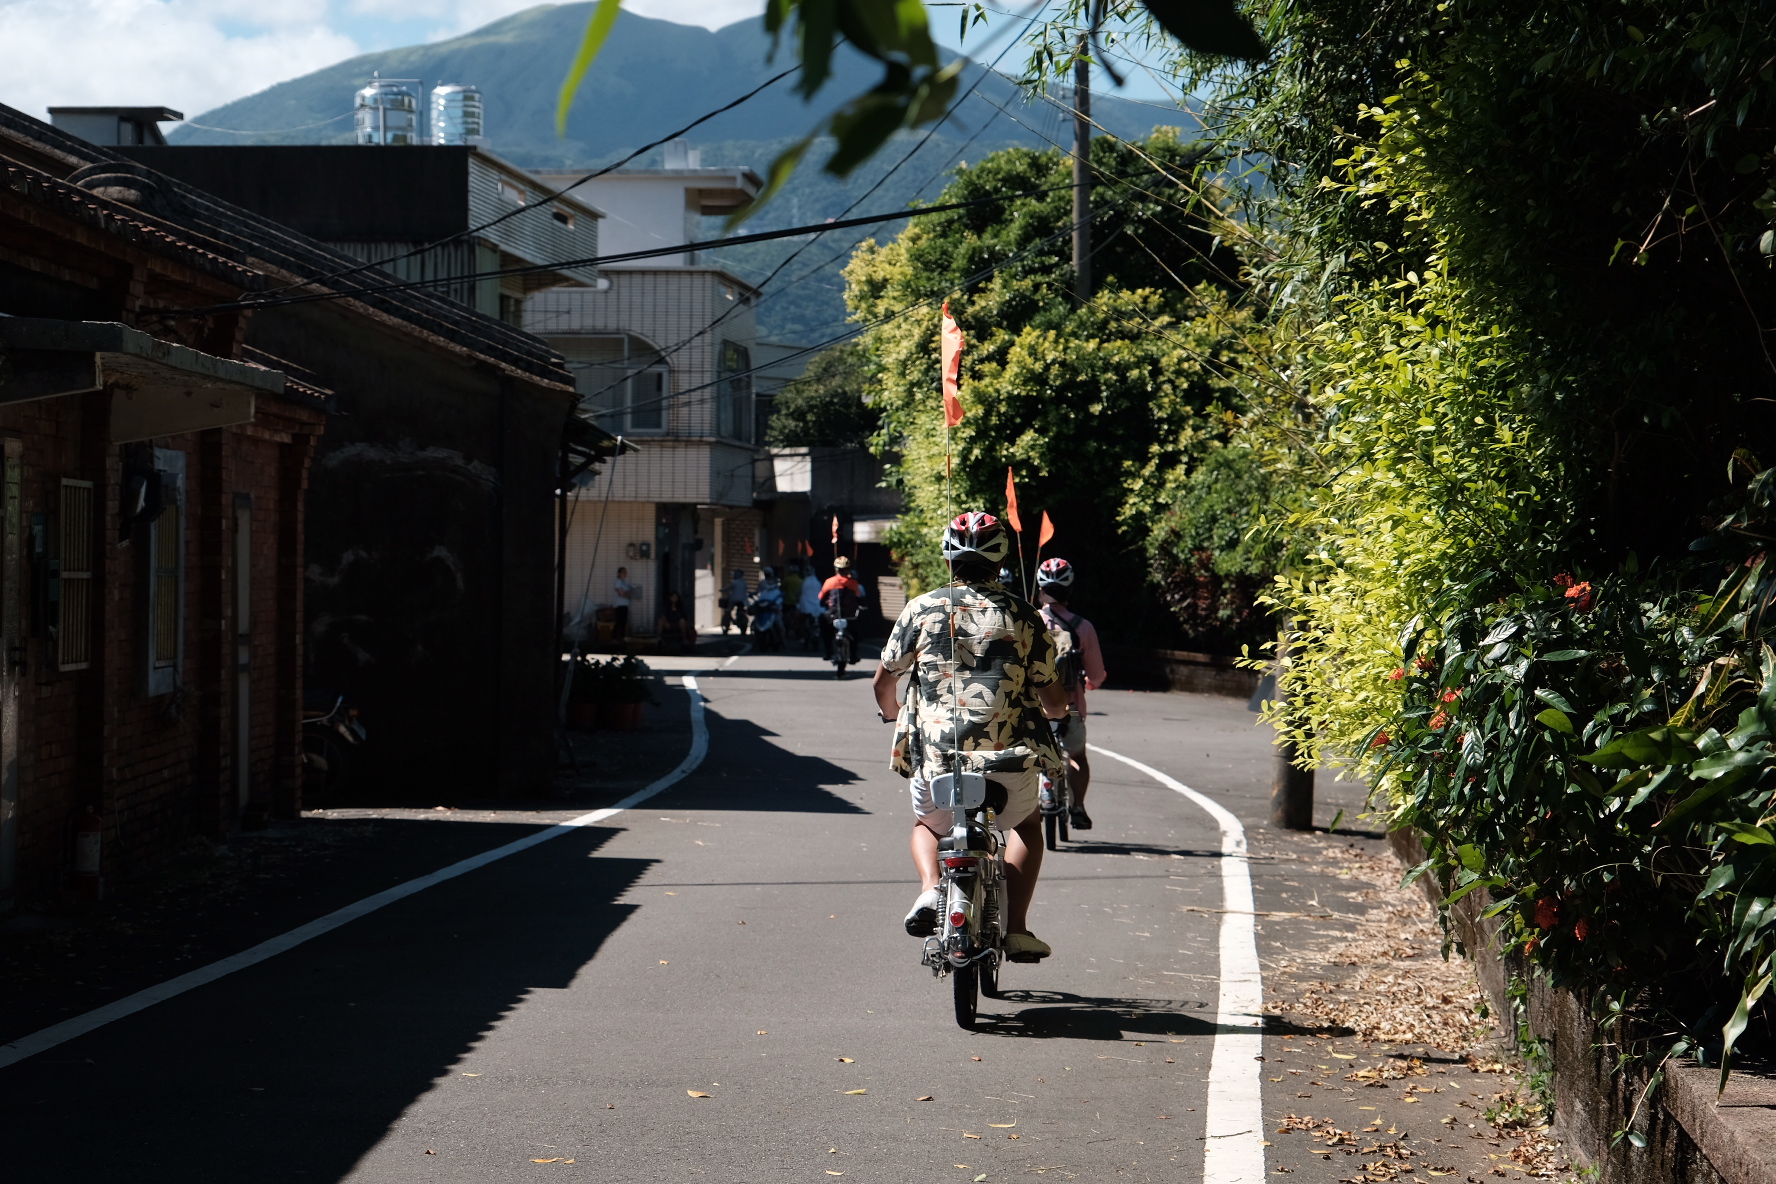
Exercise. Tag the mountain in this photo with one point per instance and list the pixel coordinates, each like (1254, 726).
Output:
(653, 77)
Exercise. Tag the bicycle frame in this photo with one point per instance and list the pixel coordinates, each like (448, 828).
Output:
(972, 882)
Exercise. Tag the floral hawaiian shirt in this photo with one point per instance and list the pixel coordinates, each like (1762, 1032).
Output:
(984, 704)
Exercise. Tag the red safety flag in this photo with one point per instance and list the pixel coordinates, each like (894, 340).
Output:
(952, 367)
(1048, 531)
(1011, 513)
(835, 530)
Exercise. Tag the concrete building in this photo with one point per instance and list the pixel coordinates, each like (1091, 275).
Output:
(665, 355)
(381, 204)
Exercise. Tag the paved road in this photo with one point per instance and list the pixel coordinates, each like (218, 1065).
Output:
(737, 936)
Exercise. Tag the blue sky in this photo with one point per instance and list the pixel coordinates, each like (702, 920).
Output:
(193, 55)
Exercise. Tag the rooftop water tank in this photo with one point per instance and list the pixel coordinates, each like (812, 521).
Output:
(387, 112)
(456, 115)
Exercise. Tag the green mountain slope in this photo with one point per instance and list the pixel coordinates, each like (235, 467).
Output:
(652, 78)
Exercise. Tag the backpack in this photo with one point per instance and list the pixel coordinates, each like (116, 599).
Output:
(1069, 656)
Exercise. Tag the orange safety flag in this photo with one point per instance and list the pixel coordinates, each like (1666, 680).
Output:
(835, 530)
(1048, 531)
(1011, 512)
(952, 367)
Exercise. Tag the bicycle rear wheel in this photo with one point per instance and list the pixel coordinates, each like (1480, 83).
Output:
(989, 978)
(1049, 823)
(966, 981)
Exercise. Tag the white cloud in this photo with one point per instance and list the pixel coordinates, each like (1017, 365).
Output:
(189, 54)
(194, 55)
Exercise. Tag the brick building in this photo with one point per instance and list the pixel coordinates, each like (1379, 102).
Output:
(202, 513)
(151, 500)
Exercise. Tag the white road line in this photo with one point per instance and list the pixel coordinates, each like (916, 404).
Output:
(1233, 1146)
(80, 1025)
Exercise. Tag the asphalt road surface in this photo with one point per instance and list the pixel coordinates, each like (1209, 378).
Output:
(712, 986)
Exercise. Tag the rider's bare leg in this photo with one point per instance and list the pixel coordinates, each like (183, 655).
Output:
(1023, 863)
(925, 855)
(1079, 778)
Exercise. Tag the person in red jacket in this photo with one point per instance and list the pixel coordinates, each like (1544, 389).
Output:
(840, 596)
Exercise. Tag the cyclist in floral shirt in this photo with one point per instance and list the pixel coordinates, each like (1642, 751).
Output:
(981, 712)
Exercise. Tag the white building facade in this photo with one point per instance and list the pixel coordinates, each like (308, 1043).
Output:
(663, 351)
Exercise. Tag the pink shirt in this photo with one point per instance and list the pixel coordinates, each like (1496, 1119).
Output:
(1091, 655)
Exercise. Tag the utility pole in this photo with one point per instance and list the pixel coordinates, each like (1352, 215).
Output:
(1082, 235)
(1291, 787)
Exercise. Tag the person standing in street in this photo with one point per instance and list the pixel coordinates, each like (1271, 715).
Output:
(982, 680)
(625, 596)
(1081, 667)
(733, 602)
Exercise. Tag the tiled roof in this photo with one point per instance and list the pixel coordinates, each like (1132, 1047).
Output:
(225, 239)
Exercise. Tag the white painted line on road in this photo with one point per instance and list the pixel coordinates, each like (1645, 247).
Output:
(80, 1025)
(1233, 1145)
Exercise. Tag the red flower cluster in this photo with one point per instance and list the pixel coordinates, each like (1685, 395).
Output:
(1424, 663)
(1563, 581)
(1399, 672)
(1547, 912)
(1438, 720)
(1581, 596)
(1381, 738)
(1451, 696)
(1582, 928)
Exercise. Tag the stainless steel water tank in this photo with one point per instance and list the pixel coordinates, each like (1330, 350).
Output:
(456, 115)
(387, 113)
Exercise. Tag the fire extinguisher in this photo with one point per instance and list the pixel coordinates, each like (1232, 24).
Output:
(89, 831)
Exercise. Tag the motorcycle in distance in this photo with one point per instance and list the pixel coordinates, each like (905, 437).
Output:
(765, 608)
(843, 651)
(1057, 798)
(970, 941)
(330, 729)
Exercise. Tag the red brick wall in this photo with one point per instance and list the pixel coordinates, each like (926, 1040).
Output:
(161, 770)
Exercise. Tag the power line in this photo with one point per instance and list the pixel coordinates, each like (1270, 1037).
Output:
(600, 260)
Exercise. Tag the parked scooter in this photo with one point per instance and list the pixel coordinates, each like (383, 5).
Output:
(765, 607)
(330, 730)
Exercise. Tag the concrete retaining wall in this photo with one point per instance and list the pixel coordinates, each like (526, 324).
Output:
(1691, 1137)
(1178, 670)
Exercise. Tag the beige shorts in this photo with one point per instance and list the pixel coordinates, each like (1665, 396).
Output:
(1022, 795)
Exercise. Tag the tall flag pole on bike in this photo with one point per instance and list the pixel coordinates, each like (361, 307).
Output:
(950, 335)
(1017, 527)
(1042, 536)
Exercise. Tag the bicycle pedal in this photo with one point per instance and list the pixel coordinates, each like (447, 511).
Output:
(1026, 957)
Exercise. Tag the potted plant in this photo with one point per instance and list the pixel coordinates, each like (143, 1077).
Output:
(609, 694)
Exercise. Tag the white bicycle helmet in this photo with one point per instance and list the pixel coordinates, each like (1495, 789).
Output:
(976, 537)
(1054, 573)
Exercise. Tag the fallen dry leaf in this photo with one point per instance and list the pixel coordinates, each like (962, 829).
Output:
(429, 1151)
(974, 1058)
(471, 1074)
(697, 1093)
(925, 1098)
(663, 962)
(1002, 1125)
(846, 1060)
(857, 1091)
(1011, 1136)
(557, 1159)
(830, 1172)
(966, 1135)
(762, 1032)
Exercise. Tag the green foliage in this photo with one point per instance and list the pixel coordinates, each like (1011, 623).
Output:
(1522, 250)
(1094, 406)
(614, 680)
(1208, 552)
(825, 405)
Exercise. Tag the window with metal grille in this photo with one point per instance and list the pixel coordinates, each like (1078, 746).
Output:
(74, 604)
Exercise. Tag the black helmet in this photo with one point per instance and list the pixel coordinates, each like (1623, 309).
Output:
(976, 537)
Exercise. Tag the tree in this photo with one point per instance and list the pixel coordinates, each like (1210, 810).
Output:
(825, 406)
(1094, 406)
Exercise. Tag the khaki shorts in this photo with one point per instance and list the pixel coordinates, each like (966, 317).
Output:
(1022, 795)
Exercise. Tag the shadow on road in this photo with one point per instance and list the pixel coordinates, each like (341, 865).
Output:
(295, 1068)
(1081, 1017)
(746, 770)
